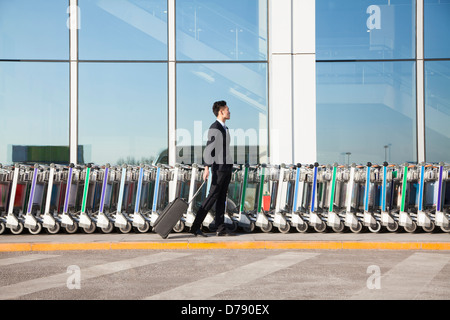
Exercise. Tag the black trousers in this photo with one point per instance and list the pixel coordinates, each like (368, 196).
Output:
(218, 195)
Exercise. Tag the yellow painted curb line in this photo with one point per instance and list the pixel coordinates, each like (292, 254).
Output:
(436, 246)
(70, 246)
(228, 245)
(383, 245)
(6, 247)
(274, 245)
(148, 245)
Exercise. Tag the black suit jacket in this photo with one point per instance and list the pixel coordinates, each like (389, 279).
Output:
(217, 153)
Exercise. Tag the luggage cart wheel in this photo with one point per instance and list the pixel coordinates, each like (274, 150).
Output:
(145, 228)
(37, 229)
(179, 227)
(55, 229)
(340, 228)
(250, 227)
(302, 228)
(72, 228)
(321, 227)
(376, 227)
(286, 228)
(127, 228)
(90, 229)
(392, 227)
(2, 227)
(356, 229)
(412, 228)
(108, 229)
(18, 229)
(233, 226)
(267, 228)
(430, 228)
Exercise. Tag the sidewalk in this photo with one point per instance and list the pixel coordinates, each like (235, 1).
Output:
(255, 240)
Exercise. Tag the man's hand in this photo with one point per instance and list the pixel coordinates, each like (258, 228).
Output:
(206, 173)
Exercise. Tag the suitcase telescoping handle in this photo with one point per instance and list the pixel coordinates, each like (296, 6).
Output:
(193, 197)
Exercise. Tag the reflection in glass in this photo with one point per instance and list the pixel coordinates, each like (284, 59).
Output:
(123, 112)
(366, 111)
(31, 29)
(244, 87)
(437, 28)
(437, 110)
(123, 29)
(34, 108)
(221, 30)
(365, 29)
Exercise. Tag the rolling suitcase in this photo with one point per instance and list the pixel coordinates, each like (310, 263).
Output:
(171, 215)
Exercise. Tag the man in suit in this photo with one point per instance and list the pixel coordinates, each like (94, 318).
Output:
(216, 156)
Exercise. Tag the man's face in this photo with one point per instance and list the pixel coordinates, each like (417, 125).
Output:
(225, 112)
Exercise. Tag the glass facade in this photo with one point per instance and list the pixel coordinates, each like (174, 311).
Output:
(365, 29)
(243, 86)
(366, 81)
(122, 112)
(121, 80)
(221, 30)
(436, 29)
(366, 112)
(222, 49)
(34, 108)
(31, 29)
(123, 30)
(437, 110)
(437, 79)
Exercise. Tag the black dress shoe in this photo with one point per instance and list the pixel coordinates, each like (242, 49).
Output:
(198, 232)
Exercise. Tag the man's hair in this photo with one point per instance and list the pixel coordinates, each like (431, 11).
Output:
(217, 106)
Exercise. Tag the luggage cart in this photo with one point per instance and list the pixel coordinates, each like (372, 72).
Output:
(269, 179)
(305, 205)
(324, 206)
(352, 220)
(133, 199)
(140, 218)
(425, 198)
(54, 199)
(281, 220)
(442, 216)
(5, 186)
(195, 182)
(179, 187)
(245, 217)
(86, 220)
(372, 180)
(264, 218)
(14, 218)
(334, 217)
(233, 198)
(102, 220)
(121, 220)
(298, 210)
(389, 218)
(315, 218)
(68, 220)
(105, 217)
(34, 206)
(407, 218)
(163, 176)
